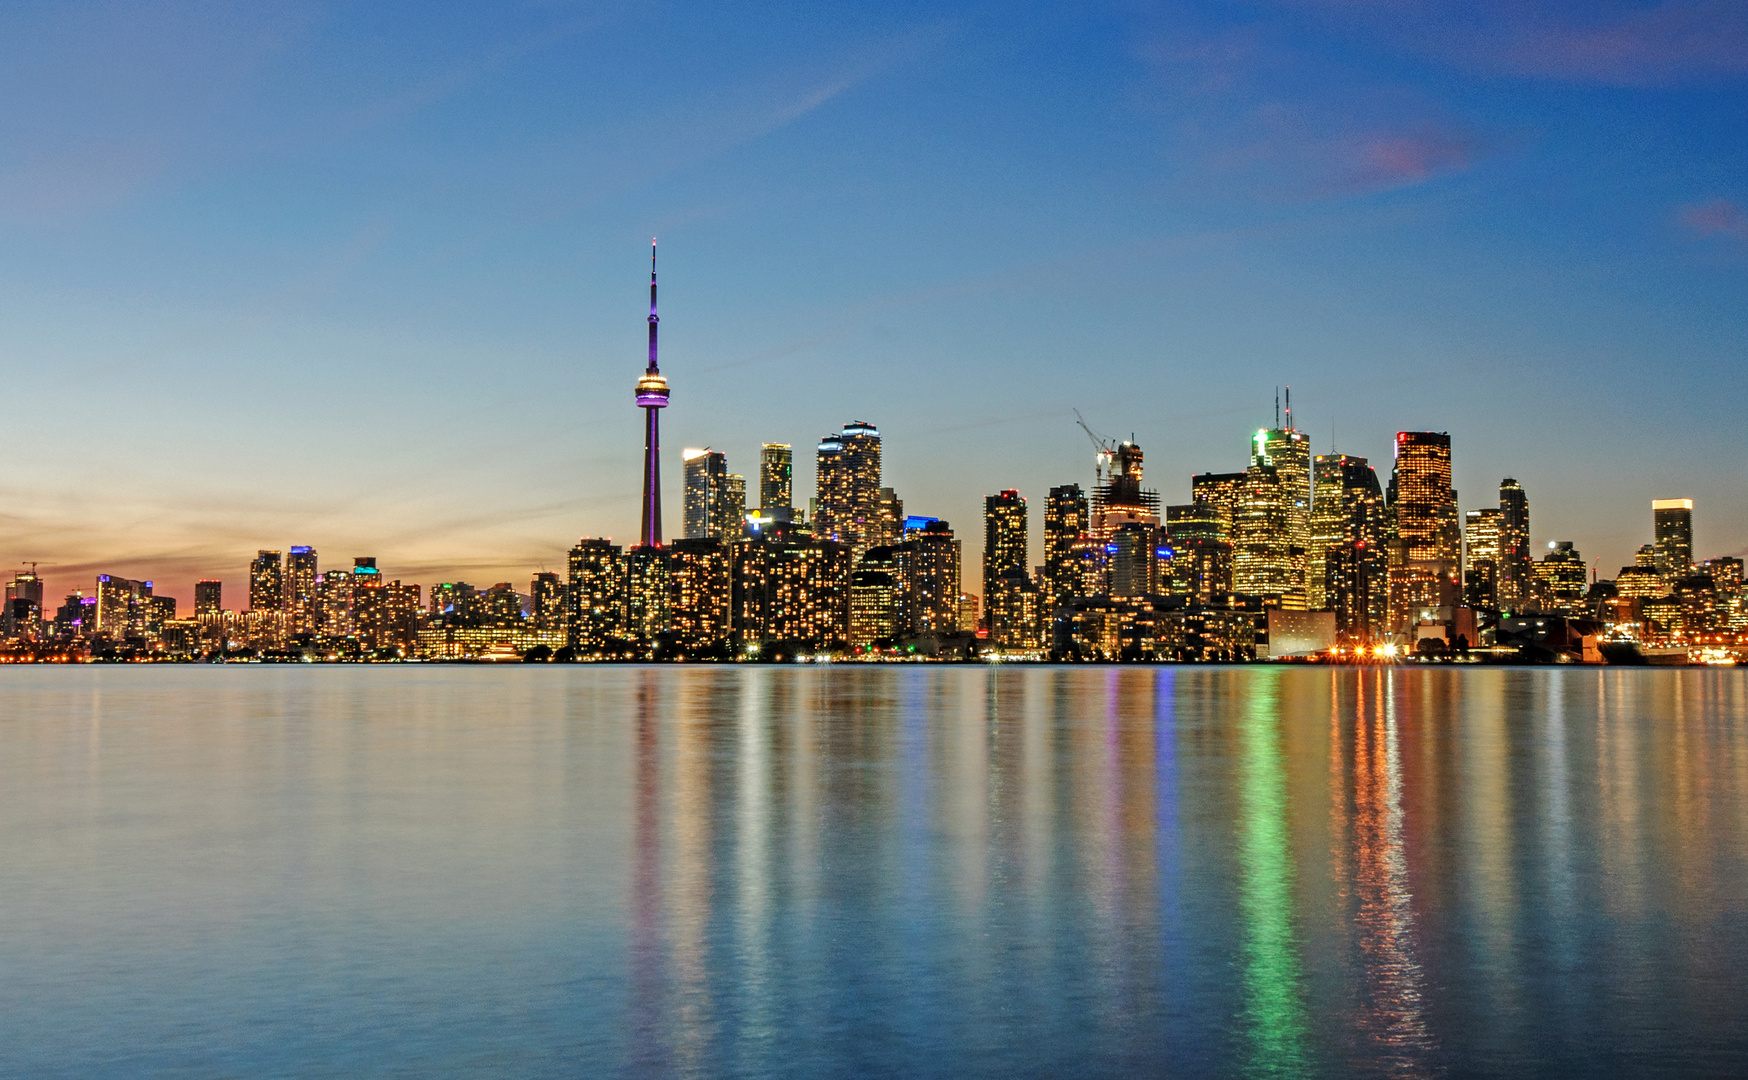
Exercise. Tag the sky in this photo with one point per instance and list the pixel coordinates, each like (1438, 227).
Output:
(371, 276)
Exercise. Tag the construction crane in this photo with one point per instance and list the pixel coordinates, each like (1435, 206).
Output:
(1107, 449)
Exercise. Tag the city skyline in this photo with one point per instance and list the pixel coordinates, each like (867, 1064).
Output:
(294, 277)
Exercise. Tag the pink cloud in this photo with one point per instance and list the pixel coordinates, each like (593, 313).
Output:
(1718, 217)
(1384, 160)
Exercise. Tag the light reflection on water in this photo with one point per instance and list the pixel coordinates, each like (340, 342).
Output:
(870, 871)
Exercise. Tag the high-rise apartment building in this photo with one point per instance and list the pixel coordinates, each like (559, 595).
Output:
(300, 590)
(889, 521)
(208, 597)
(336, 598)
(1065, 521)
(699, 596)
(267, 582)
(1200, 563)
(1133, 560)
(1673, 521)
(1120, 499)
(789, 590)
(595, 595)
(715, 502)
(123, 607)
(647, 591)
(1560, 579)
(1426, 563)
(932, 579)
(848, 488)
(1005, 537)
(874, 607)
(387, 613)
(546, 594)
(776, 468)
(1346, 566)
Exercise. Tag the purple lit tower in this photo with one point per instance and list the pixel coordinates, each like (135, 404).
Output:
(652, 394)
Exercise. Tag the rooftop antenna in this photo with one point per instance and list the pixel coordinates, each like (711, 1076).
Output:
(1277, 407)
(1289, 408)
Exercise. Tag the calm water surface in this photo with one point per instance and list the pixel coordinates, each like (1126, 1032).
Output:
(591, 871)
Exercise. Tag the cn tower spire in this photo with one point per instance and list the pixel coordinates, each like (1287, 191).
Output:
(652, 396)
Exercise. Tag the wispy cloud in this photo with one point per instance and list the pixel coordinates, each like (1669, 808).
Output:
(1717, 217)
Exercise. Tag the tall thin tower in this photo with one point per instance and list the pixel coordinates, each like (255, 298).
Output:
(652, 394)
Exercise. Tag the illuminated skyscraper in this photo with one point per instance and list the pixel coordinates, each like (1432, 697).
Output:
(652, 397)
(715, 502)
(848, 485)
(387, 613)
(1560, 579)
(1288, 452)
(932, 579)
(595, 595)
(1426, 563)
(1065, 521)
(1514, 545)
(208, 597)
(776, 466)
(300, 590)
(874, 598)
(1265, 562)
(1484, 558)
(1121, 498)
(1222, 492)
(266, 582)
(1201, 556)
(23, 611)
(647, 589)
(1132, 560)
(1345, 569)
(1009, 599)
(1673, 520)
(889, 520)
(335, 605)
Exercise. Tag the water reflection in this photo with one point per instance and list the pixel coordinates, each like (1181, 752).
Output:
(846, 872)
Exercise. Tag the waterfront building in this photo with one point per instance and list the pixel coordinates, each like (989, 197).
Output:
(266, 582)
(123, 607)
(647, 591)
(24, 605)
(595, 596)
(1427, 538)
(889, 518)
(699, 595)
(387, 614)
(1639, 582)
(1514, 546)
(1011, 609)
(503, 606)
(1131, 563)
(848, 488)
(789, 591)
(874, 597)
(1065, 522)
(546, 595)
(1005, 539)
(1673, 521)
(1121, 499)
(1201, 559)
(776, 468)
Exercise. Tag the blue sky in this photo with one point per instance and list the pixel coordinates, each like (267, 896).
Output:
(370, 276)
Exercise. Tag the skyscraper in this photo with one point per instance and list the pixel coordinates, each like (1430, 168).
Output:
(889, 519)
(652, 396)
(710, 504)
(848, 485)
(1008, 594)
(1673, 521)
(776, 466)
(335, 607)
(1220, 491)
(1514, 545)
(1345, 568)
(1425, 565)
(266, 582)
(300, 590)
(1265, 562)
(546, 593)
(1484, 558)
(789, 590)
(699, 595)
(1289, 453)
(1065, 521)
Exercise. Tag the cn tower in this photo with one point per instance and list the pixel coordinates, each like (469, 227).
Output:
(652, 394)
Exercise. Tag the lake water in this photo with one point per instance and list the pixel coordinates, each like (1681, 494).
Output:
(872, 871)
